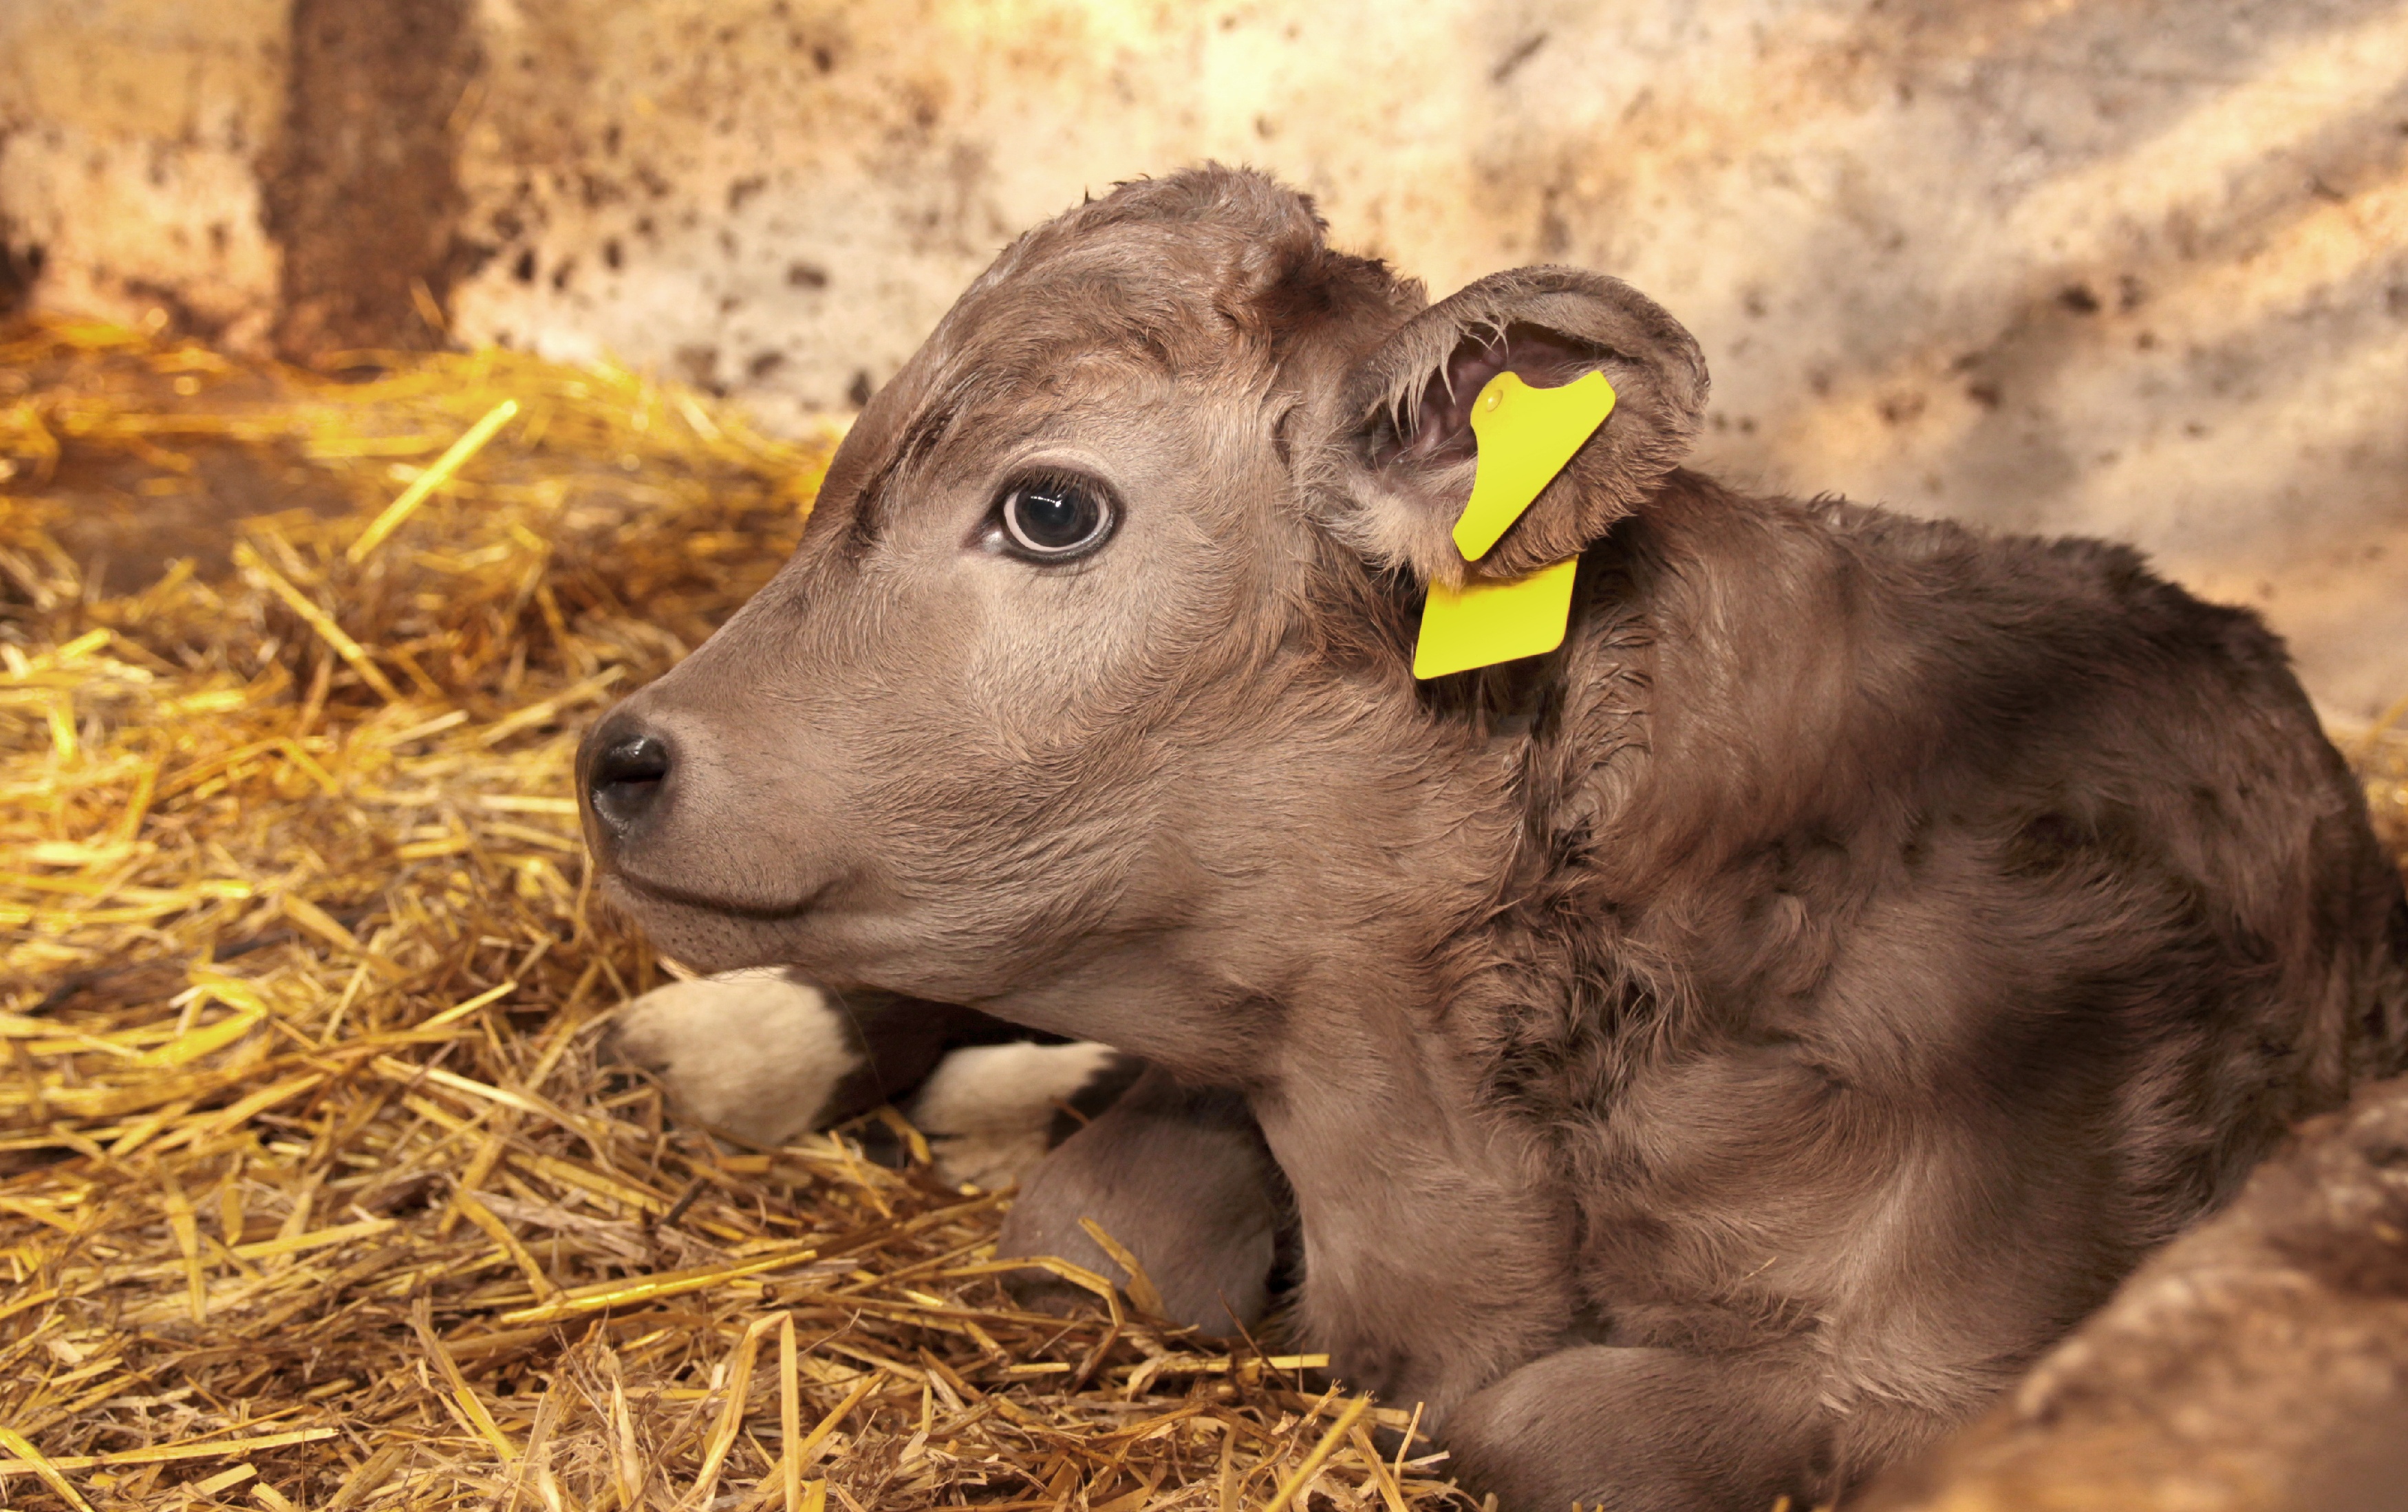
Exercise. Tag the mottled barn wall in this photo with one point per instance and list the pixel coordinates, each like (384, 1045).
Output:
(2135, 267)
(129, 136)
(361, 190)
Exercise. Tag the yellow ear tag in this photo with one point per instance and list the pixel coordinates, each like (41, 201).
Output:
(1525, 436)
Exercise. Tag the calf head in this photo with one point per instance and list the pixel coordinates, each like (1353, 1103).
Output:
(1087, 697)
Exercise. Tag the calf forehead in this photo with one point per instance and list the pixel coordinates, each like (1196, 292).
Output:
(1161, 295)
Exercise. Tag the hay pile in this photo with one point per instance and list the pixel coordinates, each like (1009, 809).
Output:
(311, 1192)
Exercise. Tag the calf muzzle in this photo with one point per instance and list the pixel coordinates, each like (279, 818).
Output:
(622, 770)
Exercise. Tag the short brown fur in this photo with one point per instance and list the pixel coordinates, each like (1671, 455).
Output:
(1708, 1061)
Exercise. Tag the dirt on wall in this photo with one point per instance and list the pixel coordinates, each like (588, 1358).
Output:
(363, 192)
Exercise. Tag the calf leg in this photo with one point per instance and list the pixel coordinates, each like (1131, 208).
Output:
(1181, 1178)
(1645, 1430)
(764, 1057)
(991, 1112)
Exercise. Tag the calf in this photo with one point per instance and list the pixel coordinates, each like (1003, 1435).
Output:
(1705, 1061)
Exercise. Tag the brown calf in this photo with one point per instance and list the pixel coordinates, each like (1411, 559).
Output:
(1705, 1061)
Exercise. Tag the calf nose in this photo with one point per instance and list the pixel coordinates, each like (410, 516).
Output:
(625, 767)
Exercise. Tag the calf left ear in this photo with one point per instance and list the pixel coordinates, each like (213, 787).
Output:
(1406, 454)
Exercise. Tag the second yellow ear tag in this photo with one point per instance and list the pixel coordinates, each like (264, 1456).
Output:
(1525, 436)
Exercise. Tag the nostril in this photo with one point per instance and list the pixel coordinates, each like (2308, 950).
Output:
(627, 777)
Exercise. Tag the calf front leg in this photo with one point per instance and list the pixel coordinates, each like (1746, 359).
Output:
(1181, 1178)
(764, 1056)
(1647, 1430)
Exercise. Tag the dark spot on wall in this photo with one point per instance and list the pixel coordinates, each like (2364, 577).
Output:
(1983, 392)
(2395, 299)
(2130, 293)
(610, 139)
(1555, 231)
(806, 276)
(613, 256)
(822, 60)
(473, 257)
(643, 225)
(523, 266)
(167, 304)
(597, 191)
(560, 275)
(362, 194)
(1898, 408)
(744, 189)
(21, 267)
(763, 364)
(859, 390)
(2078, 298)
(700, 365)
(1519, 54)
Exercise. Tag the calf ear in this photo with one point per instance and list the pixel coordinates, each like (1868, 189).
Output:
(1406, 452)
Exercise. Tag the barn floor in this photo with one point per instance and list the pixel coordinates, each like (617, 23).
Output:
(311, 1190)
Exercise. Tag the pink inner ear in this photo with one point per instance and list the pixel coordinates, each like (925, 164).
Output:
(1545, 359)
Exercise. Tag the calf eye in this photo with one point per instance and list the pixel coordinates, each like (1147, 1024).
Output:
(1055, 519)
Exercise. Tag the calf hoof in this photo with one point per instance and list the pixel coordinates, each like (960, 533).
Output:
(990, 1112)
(755, 1056)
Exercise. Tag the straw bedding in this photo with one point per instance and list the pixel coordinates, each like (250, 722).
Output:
(312, 1192)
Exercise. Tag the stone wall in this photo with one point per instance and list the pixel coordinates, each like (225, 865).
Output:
(2133, 268)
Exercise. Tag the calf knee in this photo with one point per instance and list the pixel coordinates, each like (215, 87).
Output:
(1177, 1177)
(1638, 1430)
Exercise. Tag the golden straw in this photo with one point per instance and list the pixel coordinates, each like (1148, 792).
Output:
(431, 479)
(317, 619)
(1303, 1473)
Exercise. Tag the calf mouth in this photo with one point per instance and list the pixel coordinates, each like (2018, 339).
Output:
(710, 934)
(637, 895)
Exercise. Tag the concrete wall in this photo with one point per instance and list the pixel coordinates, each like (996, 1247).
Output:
(2133, 267)
(131, 133)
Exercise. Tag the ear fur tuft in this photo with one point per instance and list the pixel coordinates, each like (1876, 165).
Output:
(1404, 454)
